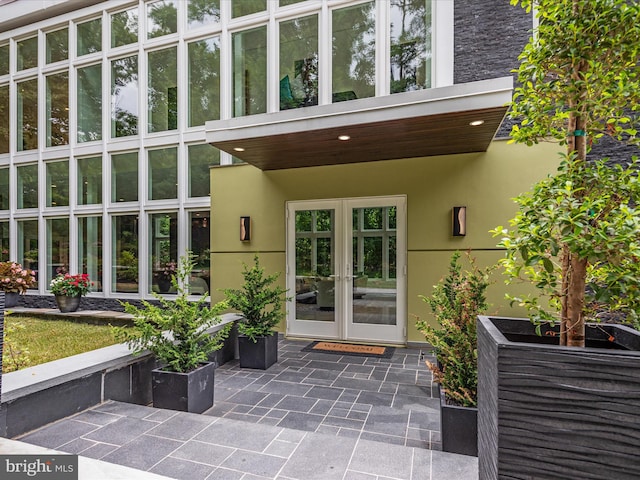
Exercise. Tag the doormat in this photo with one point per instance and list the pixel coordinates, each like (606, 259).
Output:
(376, 351)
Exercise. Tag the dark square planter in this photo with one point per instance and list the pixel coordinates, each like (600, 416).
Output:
(228, 350)
(552, 412)
(458, 428)
(186, 392)
(260, 355)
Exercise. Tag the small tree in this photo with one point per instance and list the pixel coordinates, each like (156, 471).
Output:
(575, 236)
(175, 331)
(456, 302)
(260, 303)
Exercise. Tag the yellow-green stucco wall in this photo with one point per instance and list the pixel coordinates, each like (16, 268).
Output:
(484, 182)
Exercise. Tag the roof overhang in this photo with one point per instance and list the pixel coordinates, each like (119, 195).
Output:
(437, 121)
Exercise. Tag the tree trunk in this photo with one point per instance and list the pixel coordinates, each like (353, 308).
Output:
(575, 301)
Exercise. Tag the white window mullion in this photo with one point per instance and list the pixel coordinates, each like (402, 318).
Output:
(383, 61)
(442, 43)
(324, 55)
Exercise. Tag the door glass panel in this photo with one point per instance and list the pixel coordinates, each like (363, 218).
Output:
(315, 266)
(374, 266)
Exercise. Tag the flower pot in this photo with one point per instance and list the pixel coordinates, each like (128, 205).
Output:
(458, 428)
(11, 299)
(164, 285)
(546, 411)
(261, 354)
(186, 392)
(68, 304)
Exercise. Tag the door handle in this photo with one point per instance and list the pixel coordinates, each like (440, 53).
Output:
(337, 277)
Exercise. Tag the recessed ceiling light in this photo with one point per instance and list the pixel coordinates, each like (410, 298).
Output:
(476, 123)
(238, 149)
(344, 138)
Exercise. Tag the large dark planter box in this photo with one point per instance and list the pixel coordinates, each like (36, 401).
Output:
(551, 412)
(187, 392)
(458, 428)
(260, 355)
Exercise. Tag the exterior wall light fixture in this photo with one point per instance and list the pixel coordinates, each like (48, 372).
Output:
(459, 221)
(245, 229)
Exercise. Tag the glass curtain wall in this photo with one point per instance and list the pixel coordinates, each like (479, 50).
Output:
(249, 72)
(89, 101)
(57, 247)
(28, 246)
(58, 184)
(201, 157)
(4, 119)
(299, 62)
(124, 251)
(57, 109)
(89, 177)
(124, 177)
(410, 53)
(204, 81)
(124, 97)
(4, 188)
(163, 239)
(163, 174)
(90, 249)
(162, 92)
(27, 186)
(27, 129)
(4, 241)
(353, 52)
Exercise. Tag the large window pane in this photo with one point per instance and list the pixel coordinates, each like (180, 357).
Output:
(27, 130)
(299, 62)
(250, 72)
(162, 18)
(27, 53)
(58, 184)
(354, 52)
(4, 241)
(201, 157)
(57, 247)
(163, 90)
(124, 177)
(124, 27)
(410, 45)
(27, 186)
(58, 109)
(124, 247)
(202, 12)
(204, 81)
(124, 96)
(89, 189)
(4, 188)
(28, 246)
(57, 45)
(89, 37)
(199, 246)
(163, 239)
(4, 59)
(90, 249)
(240, 8)
(4, 119)
(163, 173)
(90, 103)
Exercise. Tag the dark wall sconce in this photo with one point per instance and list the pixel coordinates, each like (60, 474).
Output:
(245, 229)
(459, 221)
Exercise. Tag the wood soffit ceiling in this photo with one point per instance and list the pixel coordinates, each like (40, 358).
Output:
(278, 141)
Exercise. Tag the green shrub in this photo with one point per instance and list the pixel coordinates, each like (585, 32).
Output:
(175, 331)
(456, 302)
(259, 302)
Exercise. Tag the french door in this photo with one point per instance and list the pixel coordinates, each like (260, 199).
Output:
(346, 269)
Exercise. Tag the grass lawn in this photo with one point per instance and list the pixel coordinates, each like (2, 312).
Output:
(40, 341)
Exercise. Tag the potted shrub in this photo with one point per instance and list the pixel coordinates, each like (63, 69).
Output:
(14, 281)
(456, 302)
(261, 304)
(68, 289)
(558, 398)
(176, 333)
